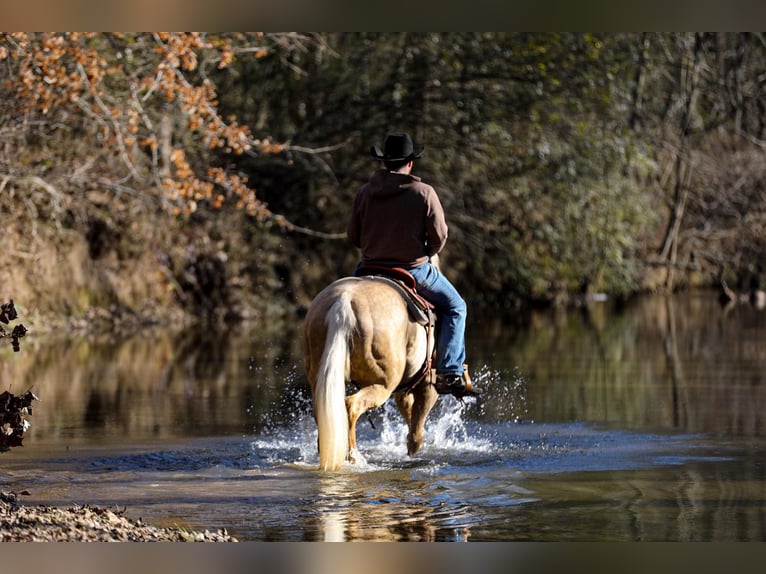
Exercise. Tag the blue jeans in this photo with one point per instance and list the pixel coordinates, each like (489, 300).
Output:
(451, 311)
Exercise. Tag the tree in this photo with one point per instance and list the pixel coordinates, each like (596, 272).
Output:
(131, 92)
(103, 132)
(709, 125)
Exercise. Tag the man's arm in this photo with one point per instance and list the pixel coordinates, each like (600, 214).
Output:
(436, 224)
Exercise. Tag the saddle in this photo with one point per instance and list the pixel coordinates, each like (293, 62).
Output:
(421, 311)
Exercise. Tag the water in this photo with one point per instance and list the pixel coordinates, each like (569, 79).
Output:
(522, 481)
(640, 423)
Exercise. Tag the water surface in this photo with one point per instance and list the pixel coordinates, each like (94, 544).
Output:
(640, 422)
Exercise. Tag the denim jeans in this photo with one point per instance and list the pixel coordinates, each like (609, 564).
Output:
(451, 311)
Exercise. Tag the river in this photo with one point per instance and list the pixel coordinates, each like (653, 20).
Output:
(635, 422)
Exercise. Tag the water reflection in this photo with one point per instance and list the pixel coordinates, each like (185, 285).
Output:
(640, 422)
(676, 363)
(159, 384)
(349, 508)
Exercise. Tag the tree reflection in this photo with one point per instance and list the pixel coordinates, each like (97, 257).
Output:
(156, 384)
(676, 363)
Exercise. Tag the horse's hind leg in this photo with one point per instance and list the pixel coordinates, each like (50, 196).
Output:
(414, 408)
(363, 400)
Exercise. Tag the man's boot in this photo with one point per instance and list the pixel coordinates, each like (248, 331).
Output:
(457, 385)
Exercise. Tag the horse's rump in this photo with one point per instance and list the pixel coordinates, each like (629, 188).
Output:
(384, 336)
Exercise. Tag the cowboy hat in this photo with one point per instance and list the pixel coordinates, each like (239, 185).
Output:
(397, 147)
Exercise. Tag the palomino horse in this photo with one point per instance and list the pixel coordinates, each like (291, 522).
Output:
(360, 330)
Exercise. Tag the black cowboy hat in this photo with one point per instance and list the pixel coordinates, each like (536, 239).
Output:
(397, 147)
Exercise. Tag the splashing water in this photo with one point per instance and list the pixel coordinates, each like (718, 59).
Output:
(452, 431)
(507, 395)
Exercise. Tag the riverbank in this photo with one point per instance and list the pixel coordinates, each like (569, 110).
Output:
(85, 523)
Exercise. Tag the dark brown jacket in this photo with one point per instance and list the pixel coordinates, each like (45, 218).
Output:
(397, 220)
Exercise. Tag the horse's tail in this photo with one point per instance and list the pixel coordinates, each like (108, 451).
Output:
(330, 400)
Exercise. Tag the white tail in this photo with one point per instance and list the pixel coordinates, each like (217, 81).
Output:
(330, 399)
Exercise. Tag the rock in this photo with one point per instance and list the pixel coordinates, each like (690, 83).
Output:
(84, 523)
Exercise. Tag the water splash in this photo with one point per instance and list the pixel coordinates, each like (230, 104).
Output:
(381, 438)
(466, 431)
(505, 395)
(448, 428)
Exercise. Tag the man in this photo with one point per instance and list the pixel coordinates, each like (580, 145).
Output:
(398, 221)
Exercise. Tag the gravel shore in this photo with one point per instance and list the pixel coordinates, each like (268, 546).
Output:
(83, 523)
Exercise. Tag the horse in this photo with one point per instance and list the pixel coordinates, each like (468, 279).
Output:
(361, 330)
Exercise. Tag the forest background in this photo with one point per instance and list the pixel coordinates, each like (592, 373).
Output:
(152, 177)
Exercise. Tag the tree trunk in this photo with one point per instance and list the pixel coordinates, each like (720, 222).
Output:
(689, 86)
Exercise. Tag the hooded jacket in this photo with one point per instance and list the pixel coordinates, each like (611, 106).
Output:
(397, 220)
